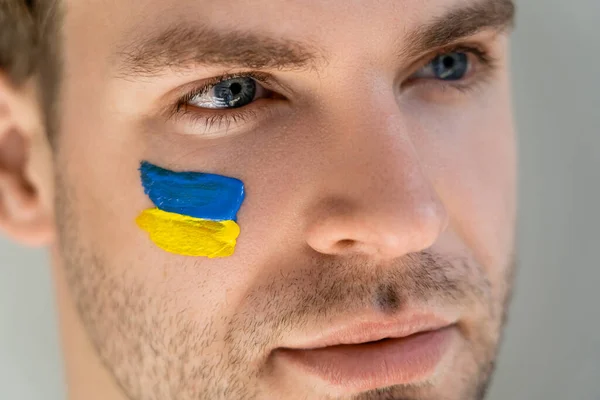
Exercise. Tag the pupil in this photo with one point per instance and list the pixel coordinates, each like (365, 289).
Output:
(235, 88)
(452, 66)
(448, 62)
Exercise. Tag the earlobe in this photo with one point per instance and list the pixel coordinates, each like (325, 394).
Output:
(21, 218)
(25, 190)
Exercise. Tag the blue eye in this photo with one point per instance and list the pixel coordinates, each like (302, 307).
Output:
(228, 93)
(447, 67)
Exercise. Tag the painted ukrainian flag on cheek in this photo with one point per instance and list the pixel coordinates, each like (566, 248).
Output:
(195, 213)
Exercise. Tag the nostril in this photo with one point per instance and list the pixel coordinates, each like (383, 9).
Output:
(345, 245)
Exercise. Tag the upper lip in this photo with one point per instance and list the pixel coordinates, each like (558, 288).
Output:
(365, 329)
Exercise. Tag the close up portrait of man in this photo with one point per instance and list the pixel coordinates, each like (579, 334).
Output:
(267, 199)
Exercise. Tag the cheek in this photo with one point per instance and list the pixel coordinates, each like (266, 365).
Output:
(470, 153)
(104, 197)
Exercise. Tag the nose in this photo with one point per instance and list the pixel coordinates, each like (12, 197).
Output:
(375, 197)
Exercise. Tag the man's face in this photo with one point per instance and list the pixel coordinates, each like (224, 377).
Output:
(376, 146)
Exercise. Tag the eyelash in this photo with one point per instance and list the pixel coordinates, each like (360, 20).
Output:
(213, 119)
(486, 65)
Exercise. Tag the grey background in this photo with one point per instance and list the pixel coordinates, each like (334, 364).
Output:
(552, 346)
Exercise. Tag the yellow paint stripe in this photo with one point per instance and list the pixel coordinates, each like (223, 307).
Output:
(188, 236)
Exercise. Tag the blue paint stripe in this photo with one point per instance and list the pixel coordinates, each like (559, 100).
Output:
(194, 194)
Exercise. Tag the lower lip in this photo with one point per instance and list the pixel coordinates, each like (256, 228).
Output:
(368, 366)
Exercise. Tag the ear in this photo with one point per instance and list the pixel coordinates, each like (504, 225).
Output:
(26, 211)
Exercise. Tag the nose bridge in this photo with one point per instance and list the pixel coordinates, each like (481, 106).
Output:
(375, 195)
(371, 149)
(369, 121)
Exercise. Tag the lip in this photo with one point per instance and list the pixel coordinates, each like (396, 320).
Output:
(371, 330)
(370, 355)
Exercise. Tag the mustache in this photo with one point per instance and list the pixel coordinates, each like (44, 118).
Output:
(295, 298)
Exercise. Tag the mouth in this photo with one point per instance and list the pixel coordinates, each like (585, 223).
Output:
(368, 356)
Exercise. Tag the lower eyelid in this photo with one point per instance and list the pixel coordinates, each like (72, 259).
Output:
(430, 90)
(218, 123)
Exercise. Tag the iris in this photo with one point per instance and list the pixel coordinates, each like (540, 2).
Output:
(450, 66)
(234, 92)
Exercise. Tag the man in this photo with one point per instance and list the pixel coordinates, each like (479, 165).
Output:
(272, 199)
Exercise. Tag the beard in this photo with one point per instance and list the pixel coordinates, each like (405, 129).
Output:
(157, 351)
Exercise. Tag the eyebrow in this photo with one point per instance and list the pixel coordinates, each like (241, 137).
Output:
(182, 46)
(459, 23)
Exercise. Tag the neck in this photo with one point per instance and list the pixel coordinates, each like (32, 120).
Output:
(87, 378)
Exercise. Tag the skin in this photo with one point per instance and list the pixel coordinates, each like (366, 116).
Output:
(367, 194)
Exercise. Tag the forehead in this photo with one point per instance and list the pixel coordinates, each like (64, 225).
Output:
(256, 11)
(314, 20)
